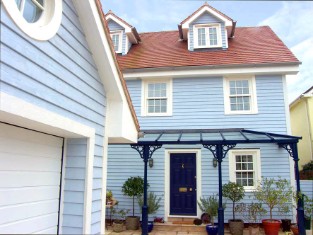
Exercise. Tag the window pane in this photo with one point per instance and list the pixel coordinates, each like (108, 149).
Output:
(213, 36)
(238, 166)
(116, 41)
(31, 11)
(201, 37)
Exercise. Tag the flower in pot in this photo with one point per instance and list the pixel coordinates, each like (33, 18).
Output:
(235, 193)
(133, 187)
(273, 193)
(210, 206)
(153, 206)
(119, 218)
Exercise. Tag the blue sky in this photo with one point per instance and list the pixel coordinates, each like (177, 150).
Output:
(291, 21)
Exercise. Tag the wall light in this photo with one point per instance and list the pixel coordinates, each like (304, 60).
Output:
(150, 162)
(214, 162)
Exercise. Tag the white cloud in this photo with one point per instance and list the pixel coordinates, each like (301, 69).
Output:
(293, 24)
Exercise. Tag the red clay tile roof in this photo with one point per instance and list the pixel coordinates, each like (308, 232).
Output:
(250, 46)
(204, 5)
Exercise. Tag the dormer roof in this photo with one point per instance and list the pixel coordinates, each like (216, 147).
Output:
(130, 30)
(183, 27)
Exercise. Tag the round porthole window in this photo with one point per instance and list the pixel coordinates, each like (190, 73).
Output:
(39, 19)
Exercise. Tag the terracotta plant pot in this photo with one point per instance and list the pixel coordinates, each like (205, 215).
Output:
(254, 229)
(132, 222)
(236, 226)
(271, 226)
(294, 229)
(211, 229)
(118, 227)
(285, 224)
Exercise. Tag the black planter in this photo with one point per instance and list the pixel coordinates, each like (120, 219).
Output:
(307, 223)
(285, 224)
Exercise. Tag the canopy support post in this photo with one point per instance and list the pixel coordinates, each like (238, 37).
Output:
(219, 152)
(145, 152)
(293, 152)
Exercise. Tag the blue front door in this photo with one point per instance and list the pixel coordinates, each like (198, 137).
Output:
(183, 184)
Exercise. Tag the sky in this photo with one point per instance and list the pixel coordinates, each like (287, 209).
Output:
(292, 21)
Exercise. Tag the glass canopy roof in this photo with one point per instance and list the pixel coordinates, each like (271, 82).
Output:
(212, 136)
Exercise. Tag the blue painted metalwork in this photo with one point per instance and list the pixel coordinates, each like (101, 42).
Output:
(293, 152)
(145, 152)
(152, 140)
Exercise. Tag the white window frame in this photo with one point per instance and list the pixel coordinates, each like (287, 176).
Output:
(256, 156)
(45, 27)
(120, 42)
(252, 90)
(144, 97)
(207, 26)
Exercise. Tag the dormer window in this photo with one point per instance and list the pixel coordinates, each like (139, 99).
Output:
(207, 36)
(117, 40)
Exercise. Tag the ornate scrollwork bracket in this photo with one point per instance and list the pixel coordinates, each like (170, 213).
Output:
(214, 150)
(290, 150)
(140, 149)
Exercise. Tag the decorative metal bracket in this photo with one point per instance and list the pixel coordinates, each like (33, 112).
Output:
(289, 150)
(213, 149)
(140, 149)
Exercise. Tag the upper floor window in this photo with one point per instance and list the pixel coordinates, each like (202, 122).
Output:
(157, 98)
(244, 166)
(39, 19)
(206, 36)
(240, 96)
(117, 41)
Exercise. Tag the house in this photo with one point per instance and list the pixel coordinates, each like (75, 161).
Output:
(207, 82)
(301, 117)
(62, 100)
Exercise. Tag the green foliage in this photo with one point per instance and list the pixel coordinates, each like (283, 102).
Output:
(153, 202)
(209, 205)
(235, 192)
(119, 215)
(109, 195)
(274, 193)
(308, 166)
(252, 212)
(133, 187)
(308, 206)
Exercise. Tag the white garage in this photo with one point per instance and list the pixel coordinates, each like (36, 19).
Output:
(30, 172)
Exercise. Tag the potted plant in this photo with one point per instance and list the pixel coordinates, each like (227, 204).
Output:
(273, 193)
(119, 218)
(153, 206)
(308, 211)
(235, 193)
(210, 206)
(133, 187)
(252, 212)
(284, 210)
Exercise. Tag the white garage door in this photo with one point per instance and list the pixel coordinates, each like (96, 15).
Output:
(30, 166)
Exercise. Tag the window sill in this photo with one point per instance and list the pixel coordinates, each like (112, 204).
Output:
(157, 115)
(207, 47)
(241, 113)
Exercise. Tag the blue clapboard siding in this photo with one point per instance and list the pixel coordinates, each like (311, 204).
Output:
(199, 103)
(207, 18)
(307, 187)
(113, 26)
(60, 75)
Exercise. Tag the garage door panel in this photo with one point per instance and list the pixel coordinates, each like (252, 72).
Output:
(33, 225)
(24, 147)
(30, 166)
(29, 194)
(11, 162)
(17, 133)
(12, 179)
(27, 210)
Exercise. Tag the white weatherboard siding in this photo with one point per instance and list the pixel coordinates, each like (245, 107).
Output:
(30, 165)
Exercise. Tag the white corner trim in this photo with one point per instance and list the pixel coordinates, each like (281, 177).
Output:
(212, 71)
(62, 189)
(47, 25)
(207, 9)
(167, 179)
(88, 185)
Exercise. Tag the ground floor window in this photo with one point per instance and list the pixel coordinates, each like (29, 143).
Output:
(245, 167)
